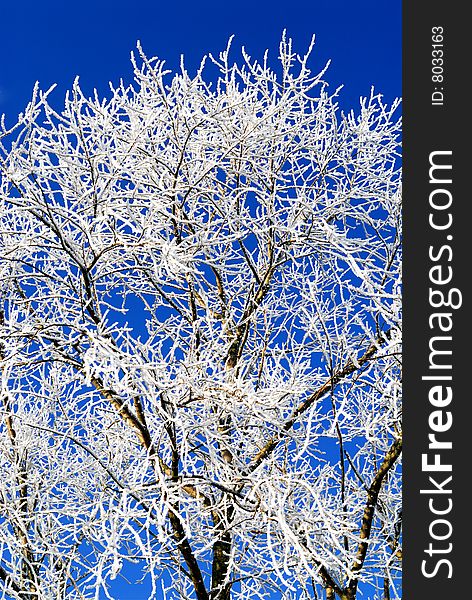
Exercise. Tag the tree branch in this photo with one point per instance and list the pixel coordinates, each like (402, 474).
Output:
(350, 368)
(369, 512)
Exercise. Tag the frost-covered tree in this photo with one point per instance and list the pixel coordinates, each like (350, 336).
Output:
(200, 337)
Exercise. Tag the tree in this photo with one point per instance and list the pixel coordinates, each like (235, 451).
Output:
(200, 338)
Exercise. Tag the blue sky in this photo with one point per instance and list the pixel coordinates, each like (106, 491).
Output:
(52, 41)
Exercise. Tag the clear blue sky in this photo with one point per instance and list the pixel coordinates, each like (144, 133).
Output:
(53, 41)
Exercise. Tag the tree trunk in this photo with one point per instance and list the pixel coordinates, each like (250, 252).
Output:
(220, 586)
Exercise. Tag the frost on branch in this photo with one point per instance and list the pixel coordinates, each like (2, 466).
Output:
(200, 331)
